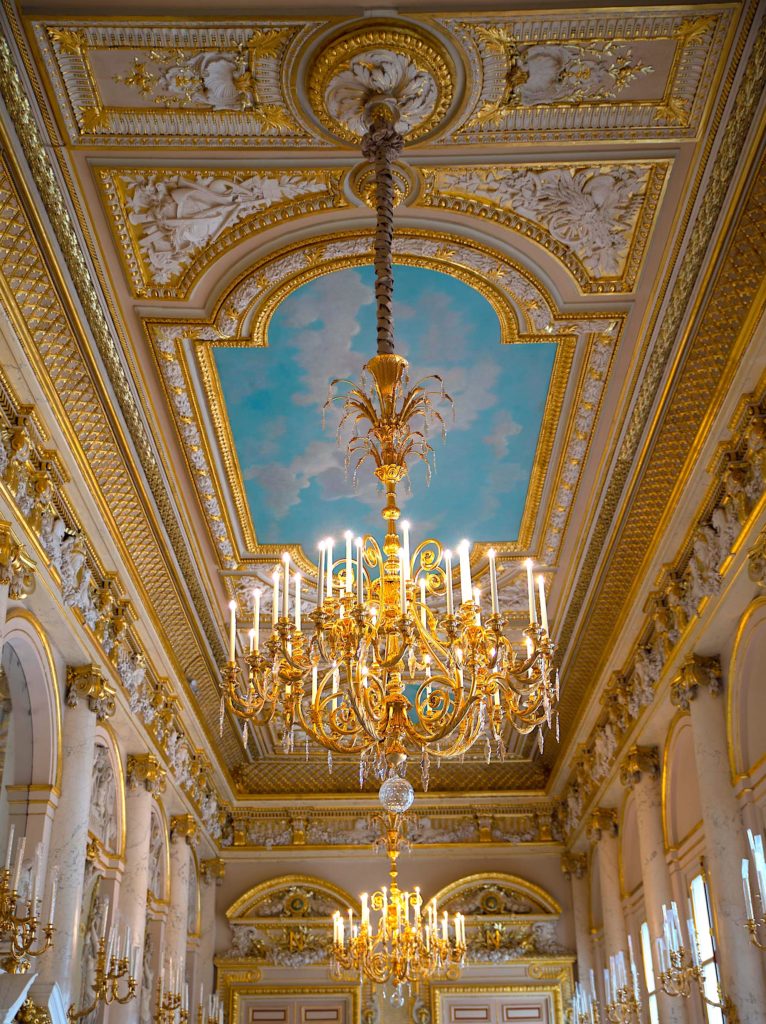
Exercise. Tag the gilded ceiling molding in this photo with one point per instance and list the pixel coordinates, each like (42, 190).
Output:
(170, 225)
(294, 775)
(707, 354)
(152, 81)
(417, 67)
(554, 77)
(57, 351)
(595, 218)
(526, 312)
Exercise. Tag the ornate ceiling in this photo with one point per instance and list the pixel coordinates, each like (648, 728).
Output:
(213, 169)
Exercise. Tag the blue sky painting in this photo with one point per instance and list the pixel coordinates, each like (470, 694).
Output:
(294, 472)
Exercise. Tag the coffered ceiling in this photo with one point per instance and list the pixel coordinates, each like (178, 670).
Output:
(223, 200)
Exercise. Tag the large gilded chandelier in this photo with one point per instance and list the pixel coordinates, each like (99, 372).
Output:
(410, 942)
(394, 661)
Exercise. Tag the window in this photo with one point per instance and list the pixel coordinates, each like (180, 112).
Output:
(651, 986)
(703, 922)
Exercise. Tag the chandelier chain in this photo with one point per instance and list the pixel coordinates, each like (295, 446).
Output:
(382, 145)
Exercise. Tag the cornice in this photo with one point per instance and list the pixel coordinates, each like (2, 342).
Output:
(707, 349)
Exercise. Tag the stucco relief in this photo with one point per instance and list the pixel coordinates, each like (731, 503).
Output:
(593, 211)
(103, 805)
(375, 72)
(164, 221)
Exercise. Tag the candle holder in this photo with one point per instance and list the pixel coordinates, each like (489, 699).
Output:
(171, 1008)
(584, 1005)
(110, 970)
(625, 1008)
(683, 974)
(22, 935)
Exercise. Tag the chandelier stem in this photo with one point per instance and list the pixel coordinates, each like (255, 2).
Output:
(382, 145)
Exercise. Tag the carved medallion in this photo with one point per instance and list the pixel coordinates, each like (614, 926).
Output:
(374, 59)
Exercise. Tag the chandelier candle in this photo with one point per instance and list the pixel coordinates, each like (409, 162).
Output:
(391, 668)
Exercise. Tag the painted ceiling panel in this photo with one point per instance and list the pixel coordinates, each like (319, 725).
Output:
(294, 473)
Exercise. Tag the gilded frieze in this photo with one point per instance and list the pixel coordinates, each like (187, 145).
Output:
(171, 224)
(554, 77)
(594, 217)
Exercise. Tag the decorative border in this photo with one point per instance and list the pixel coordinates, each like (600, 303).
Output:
(699, 33)
(242, 315)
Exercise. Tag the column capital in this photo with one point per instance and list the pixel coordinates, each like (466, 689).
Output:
(640, 762)
(145, 770)
(183, 826)
(87, 682)
(696, 671)
(213, 870)
(603, 821)
(574, 865)
(17, 569)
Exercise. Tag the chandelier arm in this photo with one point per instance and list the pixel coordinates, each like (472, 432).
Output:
(455, 720)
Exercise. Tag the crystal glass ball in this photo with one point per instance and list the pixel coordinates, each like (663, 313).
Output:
(396, 795)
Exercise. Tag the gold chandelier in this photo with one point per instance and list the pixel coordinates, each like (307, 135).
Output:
(392, 663)
(410, 943)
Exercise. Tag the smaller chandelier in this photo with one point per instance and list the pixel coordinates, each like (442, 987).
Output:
(411, 942)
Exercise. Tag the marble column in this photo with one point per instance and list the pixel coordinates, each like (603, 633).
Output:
(640, 771)
(88, 700)
(212, 872)
(698, 688)
(575, 867)
(183, 832)
(145, 780)
(602, 830)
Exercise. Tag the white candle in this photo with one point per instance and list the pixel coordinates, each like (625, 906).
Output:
(17, 866)
(257, 616)
(314, 681)
(448, 580)
(9, 853)
(349, 576)
(297, 579)
(423, 611)
(445, 926)
(275, 597)
(54, 890)
(464, 550)
(406, 546)
(232, 630)
(402, 583)
(252, 641)
(320, 574)
(543, 606)
(493, 581)
(531, 591)
(746, 887)
(104, 918)
(365, 909)
(359, 573)
(328, 570)
(286, 591)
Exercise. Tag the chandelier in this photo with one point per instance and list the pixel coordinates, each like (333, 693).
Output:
(396, 660)
(410, 942)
